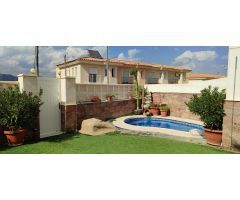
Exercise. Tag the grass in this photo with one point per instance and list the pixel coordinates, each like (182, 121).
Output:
(111, 143)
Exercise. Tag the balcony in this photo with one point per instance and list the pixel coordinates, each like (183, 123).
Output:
(173, 81)
(127, 80)
(152, 80)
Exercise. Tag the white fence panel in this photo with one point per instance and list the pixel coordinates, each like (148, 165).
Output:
(50, 115)
(7, 84)
(86, 91)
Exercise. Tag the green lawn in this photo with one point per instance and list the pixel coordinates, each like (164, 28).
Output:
(111, 143)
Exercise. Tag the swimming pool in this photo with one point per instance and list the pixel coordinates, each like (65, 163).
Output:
(163, 123)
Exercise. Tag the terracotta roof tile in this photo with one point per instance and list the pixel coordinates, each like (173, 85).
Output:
(196, 76)
(127, 63)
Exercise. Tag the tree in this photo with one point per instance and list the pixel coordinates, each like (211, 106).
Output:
(133, 73)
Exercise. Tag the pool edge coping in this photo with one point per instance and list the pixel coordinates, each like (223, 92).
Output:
(120, 123)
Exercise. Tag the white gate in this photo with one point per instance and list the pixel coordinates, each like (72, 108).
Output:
(50, 115)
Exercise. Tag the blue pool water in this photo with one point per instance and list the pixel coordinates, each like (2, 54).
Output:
(163, 123)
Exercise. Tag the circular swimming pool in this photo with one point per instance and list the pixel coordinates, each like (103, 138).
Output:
(163, 123)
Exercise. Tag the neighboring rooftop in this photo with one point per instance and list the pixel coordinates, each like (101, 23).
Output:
(197, 76)
(94, 56)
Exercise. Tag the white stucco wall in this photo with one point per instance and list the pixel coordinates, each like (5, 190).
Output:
(187, 88)
(234, 52)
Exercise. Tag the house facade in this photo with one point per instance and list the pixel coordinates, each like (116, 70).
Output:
(92, 69)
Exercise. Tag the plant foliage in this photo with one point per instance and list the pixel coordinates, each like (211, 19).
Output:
(209, 106)
(133, 73)
(19, 109)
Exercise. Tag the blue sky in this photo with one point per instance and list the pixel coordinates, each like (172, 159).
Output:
(201, 59)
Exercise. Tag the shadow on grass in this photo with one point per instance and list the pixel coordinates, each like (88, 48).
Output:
(62, 137)
(53, 139)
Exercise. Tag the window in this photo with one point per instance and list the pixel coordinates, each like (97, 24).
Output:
(113, 72)
(92, 75)
(126, 79)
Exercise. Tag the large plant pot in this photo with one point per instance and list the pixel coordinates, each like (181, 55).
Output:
(213, 137)
(15, 138)
(154, 111)
(164, 113)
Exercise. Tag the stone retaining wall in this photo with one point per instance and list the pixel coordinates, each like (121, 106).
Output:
(176, 102)
(73, 115)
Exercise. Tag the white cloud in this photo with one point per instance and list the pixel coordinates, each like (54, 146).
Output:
(191, 60)
(17, 60)
(121, 56)
(131, 55)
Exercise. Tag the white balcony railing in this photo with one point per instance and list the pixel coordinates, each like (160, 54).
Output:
(86, 91)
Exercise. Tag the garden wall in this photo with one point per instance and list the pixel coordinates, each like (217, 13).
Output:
(73, 115)
(176, 102)
(231, 124)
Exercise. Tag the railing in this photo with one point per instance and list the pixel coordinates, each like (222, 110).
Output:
(84, 92)
(7, 84)
(127, 80)
(173, 81)
(152, 80)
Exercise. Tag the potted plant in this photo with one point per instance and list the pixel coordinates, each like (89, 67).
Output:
(130, 95)
(154, 109)
(210, 107)
(110, 97)
(95, 99)
(164, 110)
(133, 73)
(18, 113)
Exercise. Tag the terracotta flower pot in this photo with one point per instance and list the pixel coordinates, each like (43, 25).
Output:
(15, 138)
(154, 111)
(130, 97)
(164, 113)
(109, 98)
(213, 137)
(95, 99)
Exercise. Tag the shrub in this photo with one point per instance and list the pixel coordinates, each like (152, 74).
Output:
(209, 106)
(18, 110)
(154, 105)
(164, 107)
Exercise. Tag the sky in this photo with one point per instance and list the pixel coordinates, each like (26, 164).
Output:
(200, 59)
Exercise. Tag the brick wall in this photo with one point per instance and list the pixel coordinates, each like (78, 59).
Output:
(231, 131)
(73, 115)
(176, 102)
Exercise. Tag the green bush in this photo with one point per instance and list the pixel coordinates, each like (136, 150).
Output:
(209, 106)
(164, 107)
(18, 110)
